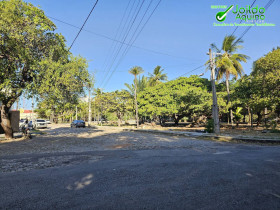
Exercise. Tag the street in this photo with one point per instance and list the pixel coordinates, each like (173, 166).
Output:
(137, 171)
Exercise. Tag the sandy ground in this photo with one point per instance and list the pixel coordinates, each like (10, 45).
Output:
(62, 138)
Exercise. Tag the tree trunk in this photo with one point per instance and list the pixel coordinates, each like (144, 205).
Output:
(228, 98)
(52, 115)
(6, 122)
(119, 119)
(249, 113)
(136, 105)
(265, 116)
(252, 118)
(177, 119)
(259, 118)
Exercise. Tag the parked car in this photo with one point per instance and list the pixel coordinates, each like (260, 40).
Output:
(39, 123)
(78, 123)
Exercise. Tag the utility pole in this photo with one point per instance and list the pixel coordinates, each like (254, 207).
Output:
(89, 107)
(94, 111)
(76, 113)
(101, 108)
(215, 111)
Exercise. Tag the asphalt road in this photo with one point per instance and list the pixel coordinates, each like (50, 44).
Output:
(231, 177)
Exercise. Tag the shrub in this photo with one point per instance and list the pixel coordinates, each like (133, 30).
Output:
(209, 128)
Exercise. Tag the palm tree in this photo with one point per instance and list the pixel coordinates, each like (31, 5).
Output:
(142, 83)
(136, 71)
(228, 63)
(157, 76)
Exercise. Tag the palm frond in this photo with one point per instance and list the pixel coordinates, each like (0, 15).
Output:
(130, 88)
(214, 47)
(136, 70)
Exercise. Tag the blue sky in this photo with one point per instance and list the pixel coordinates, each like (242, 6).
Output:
(182, 29)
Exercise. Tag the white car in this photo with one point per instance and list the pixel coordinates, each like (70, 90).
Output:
(40, 124)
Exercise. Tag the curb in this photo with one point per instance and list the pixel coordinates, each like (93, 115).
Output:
(208, 136)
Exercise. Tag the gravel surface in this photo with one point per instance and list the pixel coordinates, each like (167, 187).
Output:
(63, 139)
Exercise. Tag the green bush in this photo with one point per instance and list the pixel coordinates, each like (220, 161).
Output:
(209, 128)
(273, 125)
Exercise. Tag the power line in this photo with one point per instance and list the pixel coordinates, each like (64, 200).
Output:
(127, 30)
(117, 35)
(269, 3)
(115, 40)
(132, 35)
(241, 19)
(83, 24)
(188, 72)
(127, 48)
(124, 39)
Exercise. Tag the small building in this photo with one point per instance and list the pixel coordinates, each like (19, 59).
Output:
(28, 114)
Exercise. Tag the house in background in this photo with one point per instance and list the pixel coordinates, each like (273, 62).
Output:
(28, 114)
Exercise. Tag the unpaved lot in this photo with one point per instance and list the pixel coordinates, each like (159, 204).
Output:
(62, 138)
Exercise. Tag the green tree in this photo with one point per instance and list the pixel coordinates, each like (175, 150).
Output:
(63, 83)
(228, 62)
(136, 71)
(243, 91)
(176, 99)
(157, 76)
(120, 103)
(237, 115)
(266, 79)
(26, 38)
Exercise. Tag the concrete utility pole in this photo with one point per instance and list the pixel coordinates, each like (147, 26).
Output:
(89, 108)
(94, 111)
(101, 108)
(215, 111)
(76, 113)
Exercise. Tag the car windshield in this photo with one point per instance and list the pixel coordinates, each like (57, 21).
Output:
(41, 121)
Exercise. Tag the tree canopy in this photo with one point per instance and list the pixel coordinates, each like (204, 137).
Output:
(179, 98)
(34, 59)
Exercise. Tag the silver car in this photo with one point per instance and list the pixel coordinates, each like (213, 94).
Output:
(40, 124)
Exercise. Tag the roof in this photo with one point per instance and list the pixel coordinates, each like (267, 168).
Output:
(27, 111)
